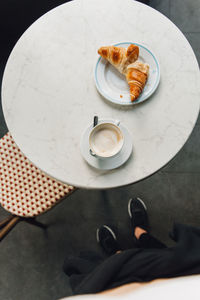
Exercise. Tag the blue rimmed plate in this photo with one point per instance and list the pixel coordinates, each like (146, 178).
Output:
(112, 85)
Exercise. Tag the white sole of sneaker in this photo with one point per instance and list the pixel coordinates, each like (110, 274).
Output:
(129, 206)
(109, 229)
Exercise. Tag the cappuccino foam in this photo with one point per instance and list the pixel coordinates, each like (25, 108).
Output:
(106, 141)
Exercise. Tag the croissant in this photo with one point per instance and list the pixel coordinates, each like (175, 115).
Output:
(120, 57)
(136, 77)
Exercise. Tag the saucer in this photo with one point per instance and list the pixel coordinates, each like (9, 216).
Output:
(111, 162)
(112, 85)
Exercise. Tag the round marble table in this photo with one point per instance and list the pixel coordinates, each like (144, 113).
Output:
(49, 95)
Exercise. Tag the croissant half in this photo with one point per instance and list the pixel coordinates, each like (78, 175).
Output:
(125, 61)
(120, 57)
(136, 76)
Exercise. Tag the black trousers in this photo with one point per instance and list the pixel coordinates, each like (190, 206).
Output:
(90, 273)
(147, 241)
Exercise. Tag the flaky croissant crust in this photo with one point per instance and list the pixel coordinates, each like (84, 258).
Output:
(125, 61)
(120, 57)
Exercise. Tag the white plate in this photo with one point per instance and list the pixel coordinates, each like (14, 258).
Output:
(111, 84)
(107, 163)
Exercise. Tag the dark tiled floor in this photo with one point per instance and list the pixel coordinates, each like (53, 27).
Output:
(185, 14)
(161, 6)
(31, 259)
(194, 38)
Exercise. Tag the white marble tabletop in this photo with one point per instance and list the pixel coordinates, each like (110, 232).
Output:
(49, 95)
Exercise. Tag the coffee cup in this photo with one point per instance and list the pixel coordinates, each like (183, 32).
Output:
(106, 140)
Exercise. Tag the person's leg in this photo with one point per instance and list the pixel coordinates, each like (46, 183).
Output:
(146, 240)
(139, 219)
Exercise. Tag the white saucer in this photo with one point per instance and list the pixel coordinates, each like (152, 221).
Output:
(112, 85)
(107, 163)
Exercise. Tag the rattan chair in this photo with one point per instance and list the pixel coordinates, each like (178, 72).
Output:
(25, 191)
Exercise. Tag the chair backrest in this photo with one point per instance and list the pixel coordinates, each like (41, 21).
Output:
(24, 189)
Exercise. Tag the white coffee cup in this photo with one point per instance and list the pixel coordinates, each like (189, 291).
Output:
(106, 140)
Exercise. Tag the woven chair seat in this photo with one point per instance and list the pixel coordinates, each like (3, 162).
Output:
(24, 189)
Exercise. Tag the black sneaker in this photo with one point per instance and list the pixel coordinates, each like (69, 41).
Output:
(107, 239)
(138, 213)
